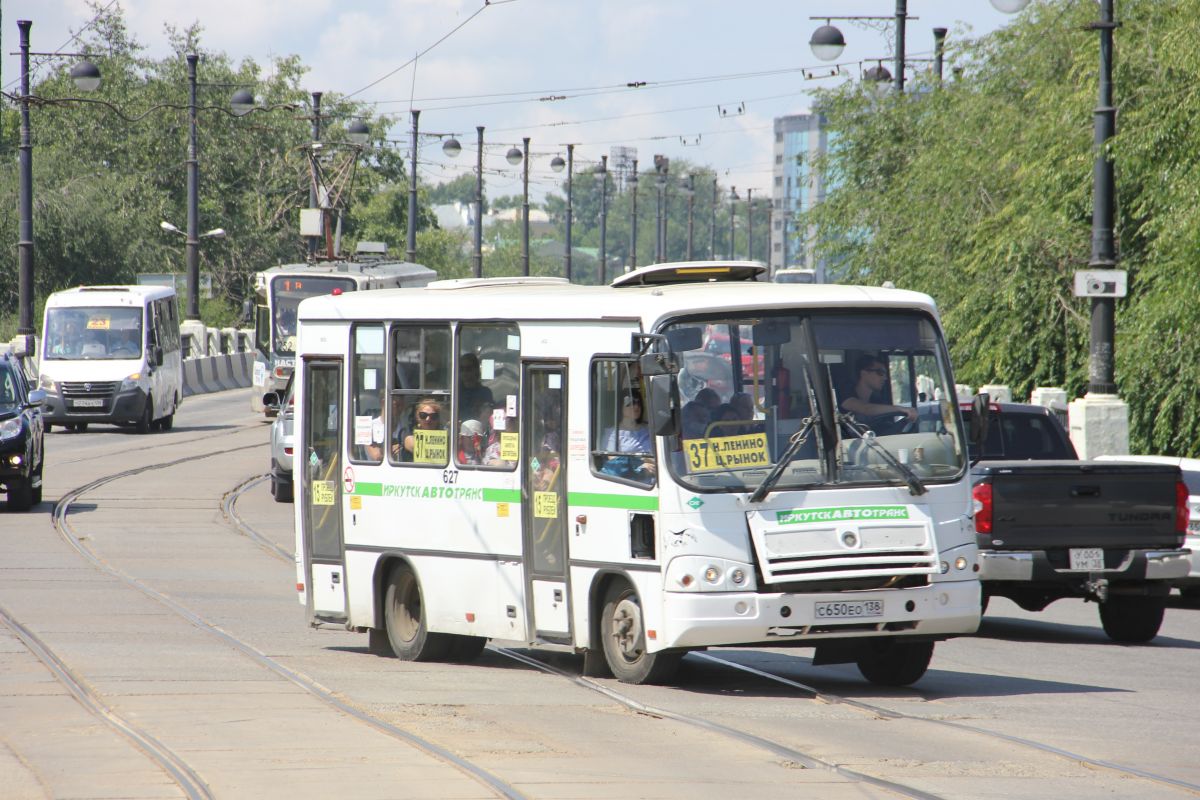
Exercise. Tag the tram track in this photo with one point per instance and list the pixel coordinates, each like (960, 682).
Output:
(173, 764)
(787, 754)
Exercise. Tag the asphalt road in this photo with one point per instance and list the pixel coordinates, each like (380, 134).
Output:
(151, 648)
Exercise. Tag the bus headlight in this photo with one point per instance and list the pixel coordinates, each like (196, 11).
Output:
(47, 384)
(10, 428)
(130, 383)
(701, 574)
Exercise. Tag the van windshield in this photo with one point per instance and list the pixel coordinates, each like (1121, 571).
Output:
(93, 333)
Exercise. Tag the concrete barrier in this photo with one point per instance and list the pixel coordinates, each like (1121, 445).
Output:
(217, 373)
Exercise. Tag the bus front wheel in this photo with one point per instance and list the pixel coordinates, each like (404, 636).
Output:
(895, 663)
(404, 616)
(623, 633)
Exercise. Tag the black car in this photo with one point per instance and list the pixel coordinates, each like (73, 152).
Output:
(21, 432)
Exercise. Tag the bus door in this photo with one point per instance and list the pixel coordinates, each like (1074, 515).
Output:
(544, 499)
(321, 486)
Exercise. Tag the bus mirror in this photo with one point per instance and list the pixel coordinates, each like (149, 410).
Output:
(771, 332)
(980, 418)
(684, 339)
(664, 405)
(656, 363)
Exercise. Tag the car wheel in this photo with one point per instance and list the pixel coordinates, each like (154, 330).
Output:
(1132, 620)
(20, 495)
(404, 616)
(144, 424)
(37, 490)
(624, 636)
(894, 663)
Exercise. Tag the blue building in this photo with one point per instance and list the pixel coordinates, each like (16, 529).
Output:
(796, 186)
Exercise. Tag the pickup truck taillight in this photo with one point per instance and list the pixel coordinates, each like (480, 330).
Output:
(982, 493)
(1181, 508)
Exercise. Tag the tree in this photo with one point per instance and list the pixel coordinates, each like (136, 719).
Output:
(979, 193)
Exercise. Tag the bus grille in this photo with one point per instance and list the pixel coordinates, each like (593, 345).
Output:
(89, 389)
(88, 397)
(816, 555)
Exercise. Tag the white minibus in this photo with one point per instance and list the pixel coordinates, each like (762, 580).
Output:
(632, 471)
(111, 354)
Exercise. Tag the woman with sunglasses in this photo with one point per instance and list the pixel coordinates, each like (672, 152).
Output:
(868, 398)
(427, 417)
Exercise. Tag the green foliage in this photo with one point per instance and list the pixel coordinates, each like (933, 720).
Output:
(979, 193)
(459, 190)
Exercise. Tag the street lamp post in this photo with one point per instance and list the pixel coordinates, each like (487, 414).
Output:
(733, 198)
(411, 253)
(633, 182)
(193, 199)
(525, 206)
(827, 43)
(660, 184)
(87, 78)
(477, 259)
(690, 191)
(712, 228)
(749, 224)
(557, 165)
(602, 170)
(312, 184)
(939, 52)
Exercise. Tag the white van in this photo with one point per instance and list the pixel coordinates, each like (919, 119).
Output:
(111, 354)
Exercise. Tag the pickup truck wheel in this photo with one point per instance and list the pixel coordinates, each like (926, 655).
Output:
(1132, 620)
(895, 663)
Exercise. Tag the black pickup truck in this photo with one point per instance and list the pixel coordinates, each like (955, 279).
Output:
(1051, 527)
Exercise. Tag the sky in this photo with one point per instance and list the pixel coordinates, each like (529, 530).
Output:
(716, 72)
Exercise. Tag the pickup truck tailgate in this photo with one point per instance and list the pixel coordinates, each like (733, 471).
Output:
(1053, 504)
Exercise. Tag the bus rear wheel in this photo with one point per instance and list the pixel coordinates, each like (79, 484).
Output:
(404, 616)
(890, 662)
(623, 633)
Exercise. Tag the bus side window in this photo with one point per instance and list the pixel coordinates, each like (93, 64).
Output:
(418, 413)
(367, 385)
(485, 394)
(622, 447)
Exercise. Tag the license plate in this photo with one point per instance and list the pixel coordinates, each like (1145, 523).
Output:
(1089, 559)
(88, 402)
(852, 609)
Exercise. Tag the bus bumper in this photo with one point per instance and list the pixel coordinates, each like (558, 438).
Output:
(695, 619)
(124, 406)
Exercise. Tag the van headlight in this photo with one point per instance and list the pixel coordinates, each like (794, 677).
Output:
(10, 428)
(47, 384)
(130, 383)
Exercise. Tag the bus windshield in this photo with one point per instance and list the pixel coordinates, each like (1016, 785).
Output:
(93, 332)
(286, 293)
(879, 383)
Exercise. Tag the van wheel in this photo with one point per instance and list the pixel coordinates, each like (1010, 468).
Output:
(404, 616)
(167, 422)
(144, 424)
(624, 636)
(1132, 620)
(894, 663)
(20, 495)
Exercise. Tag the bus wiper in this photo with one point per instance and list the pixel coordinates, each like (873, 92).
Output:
(915, 487)
(797, 440)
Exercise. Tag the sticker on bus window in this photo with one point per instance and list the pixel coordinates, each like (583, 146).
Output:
(430, 447)
(514, 342)
(98, 323)
(499, 421)
(487, 369)
(545, 505)
(554, 381)
(510, 448)
(322, 493)
(726, 452)
(362, 430)
(510, 405)
(370, 381)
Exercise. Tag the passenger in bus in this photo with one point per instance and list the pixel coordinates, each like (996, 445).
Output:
(426, 417)
(491, 456)
(694, 420)
(743, 406)
(472, 442)
(708, 398)
(631, 435)
(471, 391)
(93, 345)
(867, 399)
